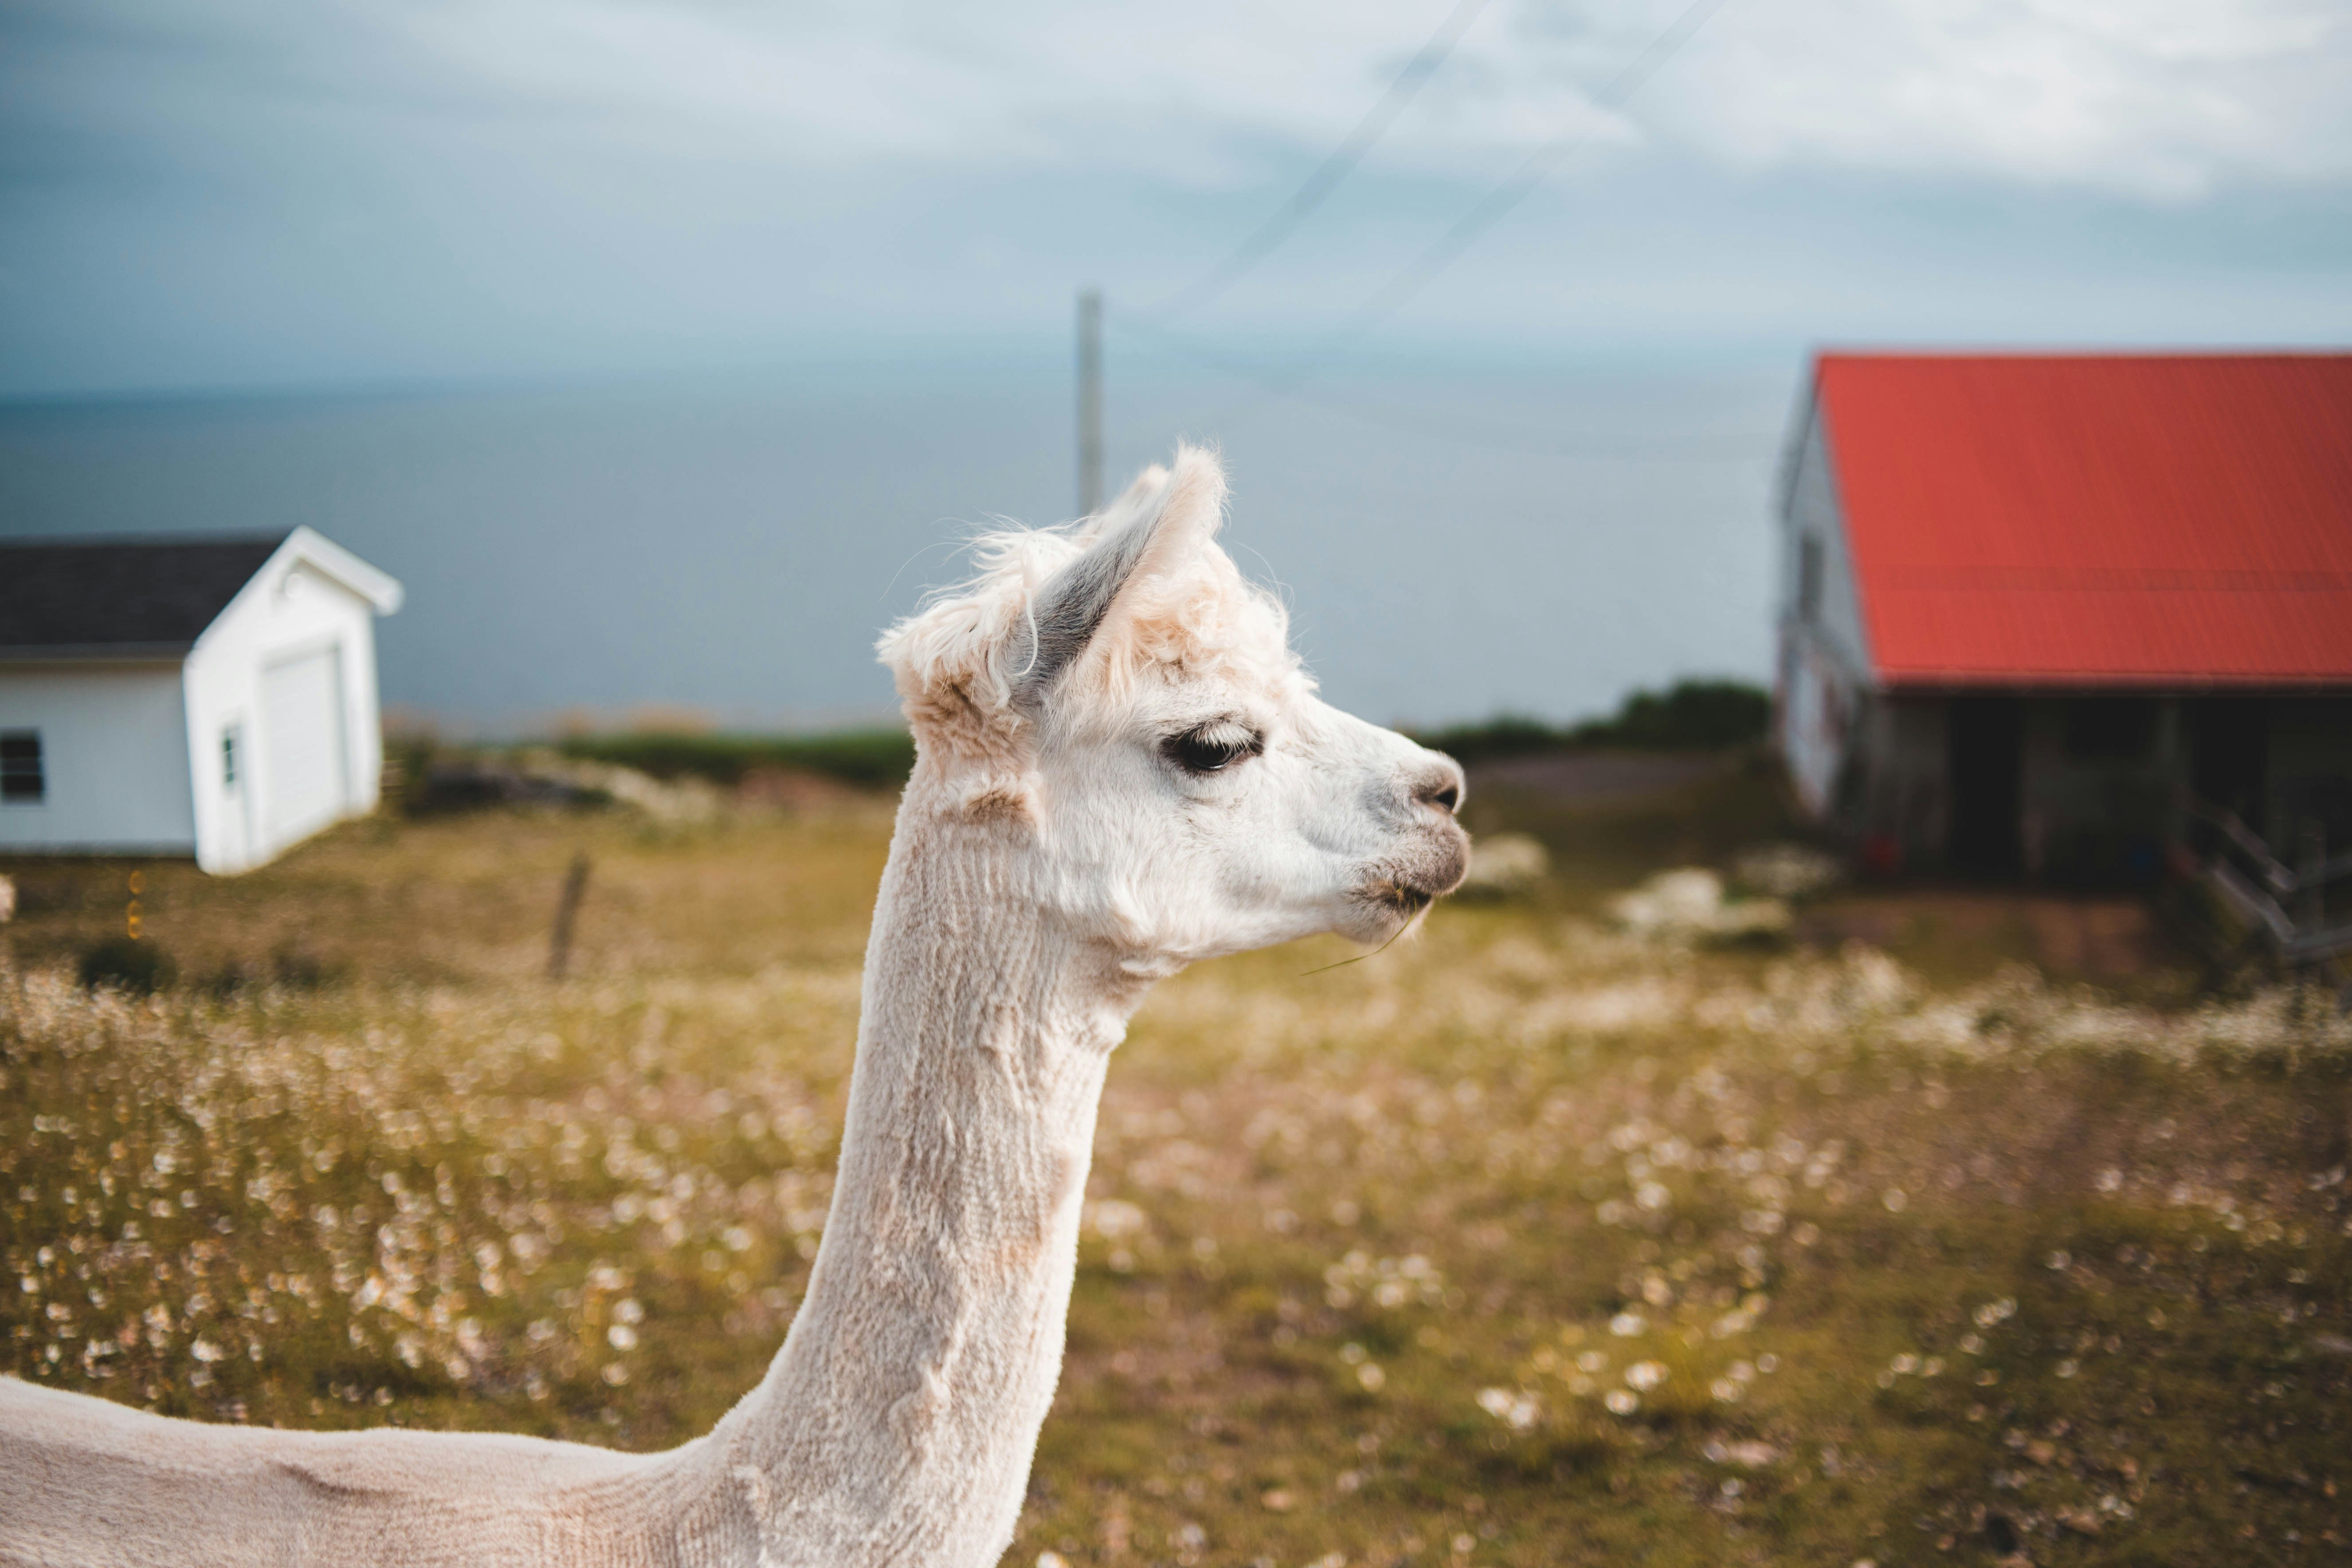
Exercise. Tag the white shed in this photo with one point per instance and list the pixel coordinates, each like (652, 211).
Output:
(206, 697)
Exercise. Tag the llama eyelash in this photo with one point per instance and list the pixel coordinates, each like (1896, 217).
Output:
(1213, 747)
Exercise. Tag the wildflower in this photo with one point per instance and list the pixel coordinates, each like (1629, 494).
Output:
(1621, 1403)
(1370, 1375)
(1645, 1375)
(1749, 1454)
(1626, 1325)
(1113, 1219)
(1519, 1412)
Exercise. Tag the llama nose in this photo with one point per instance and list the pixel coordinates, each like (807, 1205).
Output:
(1440, 785)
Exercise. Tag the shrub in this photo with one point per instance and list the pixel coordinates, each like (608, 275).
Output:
(1689, 715)
(868, 759)
(127, 964)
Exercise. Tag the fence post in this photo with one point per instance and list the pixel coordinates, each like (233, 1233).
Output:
(567, 910)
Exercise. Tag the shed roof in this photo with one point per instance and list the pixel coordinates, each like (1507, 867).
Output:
(149, 597)
(122, 597)
(2109, 520)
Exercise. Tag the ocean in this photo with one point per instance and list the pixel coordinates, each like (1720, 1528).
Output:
(1454, 542)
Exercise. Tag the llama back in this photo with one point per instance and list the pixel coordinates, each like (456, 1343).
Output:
(84, 1481)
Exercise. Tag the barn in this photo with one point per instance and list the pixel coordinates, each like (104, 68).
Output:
(206, 697)
(2057, 615)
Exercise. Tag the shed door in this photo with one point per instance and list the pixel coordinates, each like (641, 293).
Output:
(302, 720)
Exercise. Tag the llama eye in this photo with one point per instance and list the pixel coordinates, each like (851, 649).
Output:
(1212, 748)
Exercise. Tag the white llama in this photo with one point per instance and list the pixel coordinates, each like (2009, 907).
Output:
(1121, 768)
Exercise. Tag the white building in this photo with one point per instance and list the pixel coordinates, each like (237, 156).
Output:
(206, 697)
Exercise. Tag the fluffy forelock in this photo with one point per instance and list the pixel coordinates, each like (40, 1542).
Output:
(956, 657)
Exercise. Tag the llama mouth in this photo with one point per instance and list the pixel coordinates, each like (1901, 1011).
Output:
(1407, 900)
(1395, 897)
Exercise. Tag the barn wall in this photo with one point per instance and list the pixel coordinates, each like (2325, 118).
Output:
(1822, 700)
(115, 756)
(290, 610)
(2310, 772)
(1814, 711)
(2100, 813)
(1814, 512)
(1903, 782)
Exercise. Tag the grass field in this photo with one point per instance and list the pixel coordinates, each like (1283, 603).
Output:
(1522, 1243)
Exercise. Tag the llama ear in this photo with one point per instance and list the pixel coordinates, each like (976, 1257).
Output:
(1130, 505)
(1162, 519)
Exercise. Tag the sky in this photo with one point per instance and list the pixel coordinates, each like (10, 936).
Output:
(303, 194)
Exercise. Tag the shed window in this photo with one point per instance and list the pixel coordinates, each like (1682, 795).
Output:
(1809, 578)
(228, 757)
(23, 781)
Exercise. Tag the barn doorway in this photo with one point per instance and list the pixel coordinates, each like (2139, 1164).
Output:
(2229, 753)
(303, 728)
(1987, 754)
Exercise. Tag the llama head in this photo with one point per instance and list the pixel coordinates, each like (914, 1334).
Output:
(1119, 709)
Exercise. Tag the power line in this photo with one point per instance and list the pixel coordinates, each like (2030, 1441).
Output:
(1483, 215)
(1484, 435)
(1498, 203)
(1268, 237)
(1490, 210)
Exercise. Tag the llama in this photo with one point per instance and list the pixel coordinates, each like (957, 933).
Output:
(1121, 768)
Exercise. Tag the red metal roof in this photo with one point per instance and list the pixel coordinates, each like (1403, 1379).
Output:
(2174, 520)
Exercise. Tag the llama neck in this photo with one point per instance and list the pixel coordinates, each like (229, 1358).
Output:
(898, 1422)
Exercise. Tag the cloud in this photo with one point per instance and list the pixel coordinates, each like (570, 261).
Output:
(2162, 97)
(257, 191)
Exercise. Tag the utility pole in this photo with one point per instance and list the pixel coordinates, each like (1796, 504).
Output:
(1090, 418)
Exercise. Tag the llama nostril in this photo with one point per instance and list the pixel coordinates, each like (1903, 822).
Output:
(1441, 790)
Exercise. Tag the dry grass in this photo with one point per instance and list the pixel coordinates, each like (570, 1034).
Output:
(1521, 1244)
